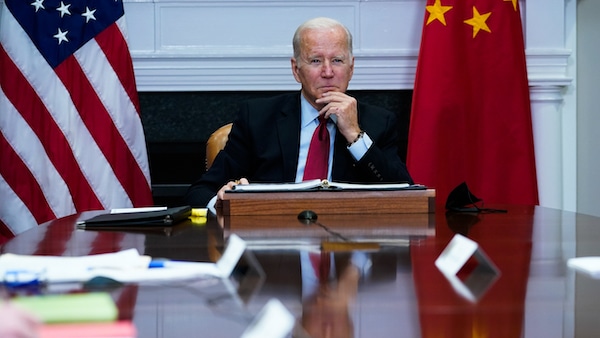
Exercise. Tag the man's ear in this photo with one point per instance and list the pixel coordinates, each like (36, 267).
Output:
(295, 70)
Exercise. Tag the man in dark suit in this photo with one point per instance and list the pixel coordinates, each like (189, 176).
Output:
(270, 138)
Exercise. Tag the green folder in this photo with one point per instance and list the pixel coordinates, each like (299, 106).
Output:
(70, 308)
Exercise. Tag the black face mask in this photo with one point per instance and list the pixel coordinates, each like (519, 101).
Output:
(461, 199)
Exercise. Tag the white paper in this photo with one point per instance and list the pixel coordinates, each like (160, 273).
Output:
(279, 186)
(129, 210)
(273, 321)
(126, 266)
(119, 260)
(317, 183)
(235, 249)
(589, 265)
(456, 254)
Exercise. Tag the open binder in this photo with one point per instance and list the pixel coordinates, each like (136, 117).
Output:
(321, 185)
(159, 218)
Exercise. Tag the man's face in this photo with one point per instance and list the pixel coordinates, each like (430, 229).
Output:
(324, 65)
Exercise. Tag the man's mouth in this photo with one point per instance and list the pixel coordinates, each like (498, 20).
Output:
(328, 88)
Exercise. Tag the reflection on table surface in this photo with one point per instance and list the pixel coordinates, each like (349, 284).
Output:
(381, 279)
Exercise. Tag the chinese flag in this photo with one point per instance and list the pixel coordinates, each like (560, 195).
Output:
(471, 114)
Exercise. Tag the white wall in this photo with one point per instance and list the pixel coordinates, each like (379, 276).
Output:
(588, 111)
(246, 45)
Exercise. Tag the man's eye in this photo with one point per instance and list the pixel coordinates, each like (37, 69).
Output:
(337, 61)
(315, 61)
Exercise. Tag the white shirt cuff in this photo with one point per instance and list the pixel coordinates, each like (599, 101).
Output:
(359, 148)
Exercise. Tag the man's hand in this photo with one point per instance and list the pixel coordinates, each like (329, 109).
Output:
(344, 107)
(230, 186)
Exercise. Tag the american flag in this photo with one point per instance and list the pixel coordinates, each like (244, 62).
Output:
(71, 137)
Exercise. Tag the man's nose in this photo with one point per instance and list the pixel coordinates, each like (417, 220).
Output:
(327, 69)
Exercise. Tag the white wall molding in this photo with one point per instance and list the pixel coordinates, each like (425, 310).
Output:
(548, 67)
(264, 73)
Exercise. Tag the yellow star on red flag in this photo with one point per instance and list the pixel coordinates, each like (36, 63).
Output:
(478, 22)
(437, 11)
(514, 2)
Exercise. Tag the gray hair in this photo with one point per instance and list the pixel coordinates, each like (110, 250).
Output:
(319, 23)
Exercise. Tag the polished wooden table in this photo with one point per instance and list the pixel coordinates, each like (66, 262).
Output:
(403, 294)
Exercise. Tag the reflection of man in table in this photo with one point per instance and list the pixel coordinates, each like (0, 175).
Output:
(326, 300)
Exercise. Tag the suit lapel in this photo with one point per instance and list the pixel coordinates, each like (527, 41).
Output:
(288, 129)
(340, 160)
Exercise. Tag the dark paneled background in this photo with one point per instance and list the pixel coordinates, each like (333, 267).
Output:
(177, 125)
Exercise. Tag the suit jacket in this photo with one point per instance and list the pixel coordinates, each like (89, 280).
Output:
(263, 146)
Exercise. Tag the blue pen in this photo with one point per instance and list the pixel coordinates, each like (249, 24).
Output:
(173, 264)
(22, 278)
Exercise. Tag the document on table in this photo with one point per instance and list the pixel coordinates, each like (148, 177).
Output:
(319, 184)
(126, 266)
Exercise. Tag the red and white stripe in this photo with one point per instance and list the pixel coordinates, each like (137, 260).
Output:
(71, 138)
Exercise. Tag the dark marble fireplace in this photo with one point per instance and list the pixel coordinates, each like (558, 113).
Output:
(177, 125)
